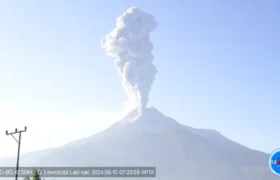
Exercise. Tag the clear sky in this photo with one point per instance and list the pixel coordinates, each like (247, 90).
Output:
(218, 64)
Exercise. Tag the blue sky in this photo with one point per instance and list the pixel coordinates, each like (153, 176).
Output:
(217, 61)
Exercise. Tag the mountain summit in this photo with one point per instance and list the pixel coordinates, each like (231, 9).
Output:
(177, 151)
(150, 119)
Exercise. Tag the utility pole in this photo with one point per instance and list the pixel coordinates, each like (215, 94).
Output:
(19, 142)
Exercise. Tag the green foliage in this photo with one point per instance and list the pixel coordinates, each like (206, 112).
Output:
(36, 175)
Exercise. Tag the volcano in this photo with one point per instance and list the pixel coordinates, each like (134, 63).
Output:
(150, 139)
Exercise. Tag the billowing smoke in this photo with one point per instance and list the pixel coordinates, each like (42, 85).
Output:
(129, 43)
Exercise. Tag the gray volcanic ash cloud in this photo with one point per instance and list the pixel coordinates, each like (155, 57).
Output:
(129, 43)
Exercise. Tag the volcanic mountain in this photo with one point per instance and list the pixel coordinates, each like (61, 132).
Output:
(177, 151)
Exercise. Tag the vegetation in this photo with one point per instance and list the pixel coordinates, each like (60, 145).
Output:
(36, 176)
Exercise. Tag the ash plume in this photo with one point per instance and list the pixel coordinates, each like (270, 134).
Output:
(129, 43)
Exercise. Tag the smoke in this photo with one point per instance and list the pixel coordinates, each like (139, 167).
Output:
(129, 44)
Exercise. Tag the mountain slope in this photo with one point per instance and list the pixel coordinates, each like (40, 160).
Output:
(152, 139)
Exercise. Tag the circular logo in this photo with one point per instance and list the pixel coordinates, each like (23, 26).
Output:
(274, 162)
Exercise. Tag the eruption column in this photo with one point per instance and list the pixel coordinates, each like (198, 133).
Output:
(129, 43)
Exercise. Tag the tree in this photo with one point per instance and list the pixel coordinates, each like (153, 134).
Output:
(36, 175)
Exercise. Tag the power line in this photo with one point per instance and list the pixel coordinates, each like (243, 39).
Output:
(19, 142)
